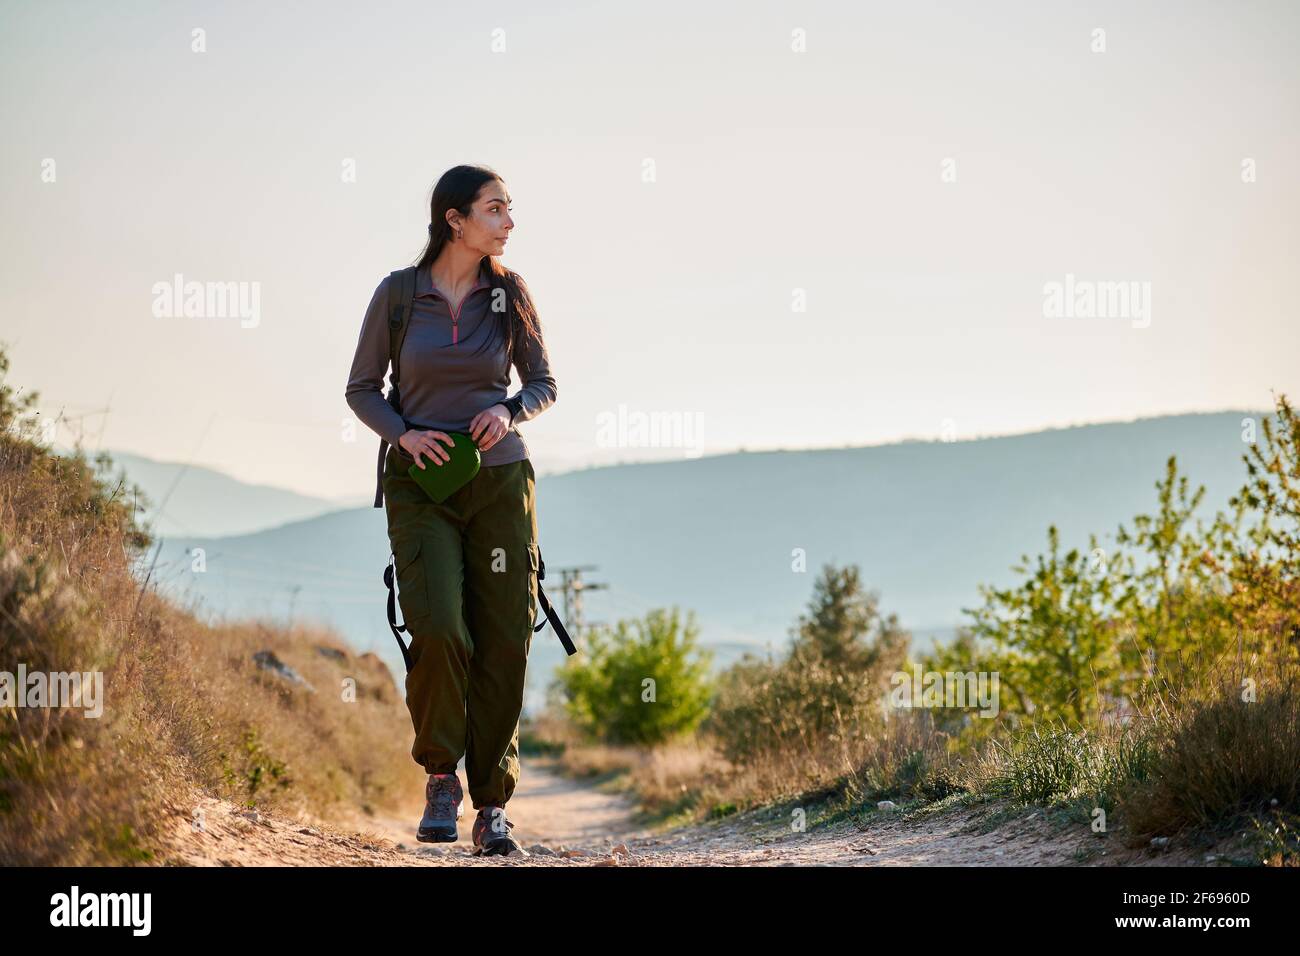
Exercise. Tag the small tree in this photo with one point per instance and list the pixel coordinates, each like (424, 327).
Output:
(845, 649)
(827, 689)
(1173, 609)
(1266, 566)
(1051, 638)
(642, 682)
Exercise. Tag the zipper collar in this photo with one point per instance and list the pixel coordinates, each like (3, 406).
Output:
(425, 287)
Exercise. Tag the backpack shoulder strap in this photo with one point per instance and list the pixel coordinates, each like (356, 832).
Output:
(403, 280)
(401, 293)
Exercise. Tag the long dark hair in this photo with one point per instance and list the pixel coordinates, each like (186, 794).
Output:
(457, 189)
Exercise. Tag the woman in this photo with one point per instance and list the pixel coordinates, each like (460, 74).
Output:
(466, 568)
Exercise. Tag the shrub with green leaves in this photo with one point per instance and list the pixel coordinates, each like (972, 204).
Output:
(1091, 634)
(642, 682)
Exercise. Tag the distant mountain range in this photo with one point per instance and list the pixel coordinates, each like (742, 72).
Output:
(202, 501)
(927, 522)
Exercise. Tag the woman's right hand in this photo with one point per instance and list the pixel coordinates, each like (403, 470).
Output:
(417, 441)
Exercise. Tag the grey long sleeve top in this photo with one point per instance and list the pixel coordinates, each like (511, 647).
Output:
(444, 384)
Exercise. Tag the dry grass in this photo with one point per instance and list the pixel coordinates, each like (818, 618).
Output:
(1209, 762)
(666, 780)
(1221, 758)
(184, 704)
(902, 758)
(683, 777)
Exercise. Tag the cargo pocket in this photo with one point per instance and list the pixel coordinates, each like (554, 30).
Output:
(412, 584)
(534, 567)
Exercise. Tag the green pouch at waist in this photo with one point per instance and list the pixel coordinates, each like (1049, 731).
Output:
(440, 482)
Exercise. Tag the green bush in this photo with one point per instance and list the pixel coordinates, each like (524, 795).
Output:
(642, 682)
(1052, 763)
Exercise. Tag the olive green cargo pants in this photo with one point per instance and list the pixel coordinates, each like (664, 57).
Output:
(467, 586)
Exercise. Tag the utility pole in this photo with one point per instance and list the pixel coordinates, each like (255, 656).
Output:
(572, 587)
(293, 600)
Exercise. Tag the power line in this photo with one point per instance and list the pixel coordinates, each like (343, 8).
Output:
(181, 474)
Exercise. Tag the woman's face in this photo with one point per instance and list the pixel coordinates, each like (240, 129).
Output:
(489, 222)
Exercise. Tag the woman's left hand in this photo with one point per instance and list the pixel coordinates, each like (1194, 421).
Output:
(490, 426)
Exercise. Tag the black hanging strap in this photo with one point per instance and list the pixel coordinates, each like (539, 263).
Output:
(392, 617)
(556, 624)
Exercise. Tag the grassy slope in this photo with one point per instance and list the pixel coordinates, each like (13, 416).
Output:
(186, 710)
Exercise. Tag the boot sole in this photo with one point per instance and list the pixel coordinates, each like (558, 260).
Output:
(437, 836)
(500, 849)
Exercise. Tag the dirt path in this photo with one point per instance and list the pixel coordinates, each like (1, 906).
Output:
(955, 837)
(566, 822)
(560, 820)
(552, 815)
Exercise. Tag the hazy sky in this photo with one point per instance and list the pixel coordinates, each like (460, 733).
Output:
(827, 171)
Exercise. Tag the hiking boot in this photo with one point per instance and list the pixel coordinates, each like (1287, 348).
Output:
(492, 834)
(443, 806)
